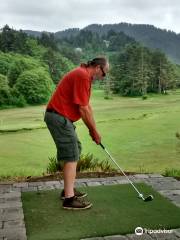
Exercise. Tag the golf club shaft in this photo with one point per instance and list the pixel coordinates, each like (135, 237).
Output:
(120, 169)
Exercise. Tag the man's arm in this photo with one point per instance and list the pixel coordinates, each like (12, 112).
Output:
(88, 118)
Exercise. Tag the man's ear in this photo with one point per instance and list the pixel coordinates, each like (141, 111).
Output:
(97, 68)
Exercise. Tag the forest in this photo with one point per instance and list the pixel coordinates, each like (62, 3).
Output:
(31, 66)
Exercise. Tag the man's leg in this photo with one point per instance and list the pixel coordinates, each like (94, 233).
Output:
(71, 201)
(69, 178)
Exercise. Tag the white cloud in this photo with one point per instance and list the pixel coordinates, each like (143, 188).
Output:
(57, 15)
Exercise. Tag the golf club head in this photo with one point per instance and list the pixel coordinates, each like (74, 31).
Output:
(149, 198)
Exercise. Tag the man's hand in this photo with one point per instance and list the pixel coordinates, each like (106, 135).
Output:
(88, 118)
(95, 136)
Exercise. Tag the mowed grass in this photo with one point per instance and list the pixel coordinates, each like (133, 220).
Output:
(140, 134)
(116, 210)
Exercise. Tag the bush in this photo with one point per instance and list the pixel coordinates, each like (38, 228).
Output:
(108, 98)
(4, 91)
(178, 135)
(5, 63)
(54, 166)
(15, 70)
(20, 101)
(87, 162)
(10, 96)
(17, 99)
(4, 66)
(35, 85)
(144, 97)
(172, 172)
(18, 66)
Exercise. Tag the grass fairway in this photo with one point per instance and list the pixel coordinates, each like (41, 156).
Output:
(116, 210)
(140, 134)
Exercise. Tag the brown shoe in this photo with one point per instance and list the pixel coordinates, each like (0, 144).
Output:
(74, 203)
(77, 193)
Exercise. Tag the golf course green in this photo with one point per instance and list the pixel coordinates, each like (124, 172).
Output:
(140, 134)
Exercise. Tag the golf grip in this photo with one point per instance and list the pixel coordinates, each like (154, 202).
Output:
(102, 145)
(119, 168)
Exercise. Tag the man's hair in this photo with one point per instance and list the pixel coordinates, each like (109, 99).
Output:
(102, 61)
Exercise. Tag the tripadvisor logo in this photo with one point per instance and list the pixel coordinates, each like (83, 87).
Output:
(139, 231)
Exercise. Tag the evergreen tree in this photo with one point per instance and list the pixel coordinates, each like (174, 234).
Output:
(137, 71)
(48, 40)
(7, 39)
(58, 65)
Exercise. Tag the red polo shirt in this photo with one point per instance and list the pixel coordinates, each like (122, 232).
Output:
(73, 90)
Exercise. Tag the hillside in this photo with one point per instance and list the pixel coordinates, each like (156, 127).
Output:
(24, 60)
(150, 36)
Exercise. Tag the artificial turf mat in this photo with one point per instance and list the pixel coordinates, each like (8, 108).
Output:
(116, 210)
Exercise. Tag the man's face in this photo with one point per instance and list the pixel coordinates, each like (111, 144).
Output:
(101, 72)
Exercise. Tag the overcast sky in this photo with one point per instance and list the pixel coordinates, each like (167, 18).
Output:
(56, 15)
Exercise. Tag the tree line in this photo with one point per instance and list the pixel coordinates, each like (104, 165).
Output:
(31, 67)
(138, 70)
(155, 38)
(135, 69)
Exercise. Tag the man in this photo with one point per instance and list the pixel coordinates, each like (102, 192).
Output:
(69, 103)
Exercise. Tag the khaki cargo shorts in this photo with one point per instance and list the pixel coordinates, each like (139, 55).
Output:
(63, 133)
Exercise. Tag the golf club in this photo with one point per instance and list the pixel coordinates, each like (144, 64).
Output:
(145, 199)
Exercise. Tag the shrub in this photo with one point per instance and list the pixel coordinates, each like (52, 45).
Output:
(54, 166)
(4, 66)
(178, 135)
(5, 63)
(4, 90)
(18, 66)
(108, 98)
(20, 101)
(144, 97)
(87, 162)
(35, 85)
(172, 172)
(17, 99)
